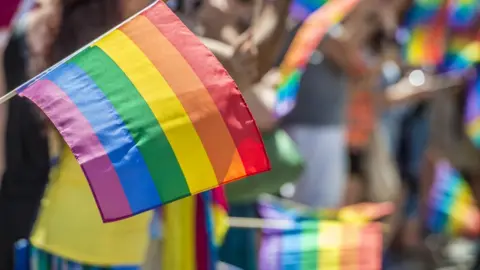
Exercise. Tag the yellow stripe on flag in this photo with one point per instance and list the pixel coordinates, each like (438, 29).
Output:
(166, 107)
(330, 242)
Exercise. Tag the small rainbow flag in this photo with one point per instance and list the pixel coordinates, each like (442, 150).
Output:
(317, 244)
(303, 45)
(150, 115)
(425, 26)
(463, 13)
(452, 207)
(301, 9)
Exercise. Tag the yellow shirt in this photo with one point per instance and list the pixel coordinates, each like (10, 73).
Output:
(69, 224)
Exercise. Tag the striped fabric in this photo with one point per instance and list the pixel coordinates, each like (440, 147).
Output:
(31, 258)
(316, 244)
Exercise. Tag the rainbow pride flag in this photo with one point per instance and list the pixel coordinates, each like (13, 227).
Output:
(301, 9)
(452, 209)
(318, 244)
(150, 115)
(425, 33)
(303, 45)
(463, 13)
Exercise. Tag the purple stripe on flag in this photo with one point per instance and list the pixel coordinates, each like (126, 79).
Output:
(269, 257)
(85, 145)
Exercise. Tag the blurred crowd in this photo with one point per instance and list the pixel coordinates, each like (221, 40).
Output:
(367, 127)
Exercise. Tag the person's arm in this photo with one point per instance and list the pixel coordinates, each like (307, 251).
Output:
(405, 92)
(269, 20)
(222, 51)
(337, 47)
(130, 7)
(265, 34)
(228, 57)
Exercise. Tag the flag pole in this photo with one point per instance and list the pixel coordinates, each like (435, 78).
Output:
(14, 92)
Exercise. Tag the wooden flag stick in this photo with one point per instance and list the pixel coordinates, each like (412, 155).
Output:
(273, 224)
(13, 93)
(259, 223)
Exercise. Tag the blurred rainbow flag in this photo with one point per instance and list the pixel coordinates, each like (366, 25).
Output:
(304, 44)
(427, 26)
(316, 243)
(301, 9)
(452, 208)
(425, 33)
(462, 13)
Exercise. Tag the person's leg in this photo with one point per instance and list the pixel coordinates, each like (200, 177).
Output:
(355, 189)
(324, 150)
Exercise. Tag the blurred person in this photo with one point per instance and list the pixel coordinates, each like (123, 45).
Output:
(317, 123)
(24, 149)
(256, 26)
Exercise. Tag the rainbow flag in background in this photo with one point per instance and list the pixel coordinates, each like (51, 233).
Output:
(301, 9)
(425, 26)
(195, 227)
(317, 244)
(462, 13)
(150, 115)
(452, 207)
(303, 45)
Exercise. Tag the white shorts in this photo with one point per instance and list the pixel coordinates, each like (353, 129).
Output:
(324, 149)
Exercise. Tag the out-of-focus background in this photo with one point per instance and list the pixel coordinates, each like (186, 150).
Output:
(375, 160)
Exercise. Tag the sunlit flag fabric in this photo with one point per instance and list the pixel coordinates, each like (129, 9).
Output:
(452, 209)
(313, 243)
(150, 115)
(304, 44)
